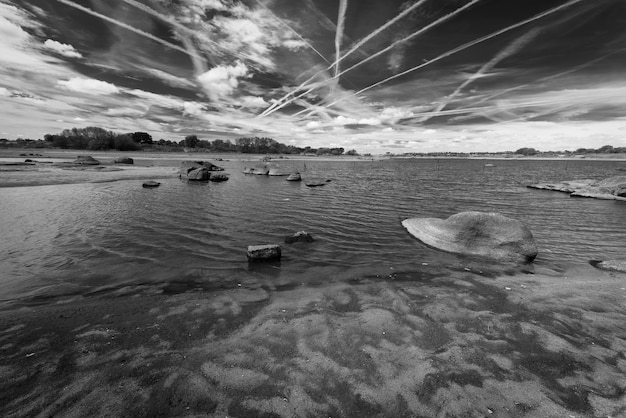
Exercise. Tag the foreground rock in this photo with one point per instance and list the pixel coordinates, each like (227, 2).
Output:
(86, 160)
(612, 188)
(489, 235)
(610, 265)
(124, 160)
(300, 236)
(150, 184)
(257, 253)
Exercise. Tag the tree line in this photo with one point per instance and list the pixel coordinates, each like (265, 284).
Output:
(98, 139)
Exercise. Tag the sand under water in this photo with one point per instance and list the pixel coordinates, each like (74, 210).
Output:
(549, 344)
(479, 340)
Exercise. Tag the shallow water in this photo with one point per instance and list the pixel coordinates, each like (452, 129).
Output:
(79, 239)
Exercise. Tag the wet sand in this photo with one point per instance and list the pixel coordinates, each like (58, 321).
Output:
(548, 344)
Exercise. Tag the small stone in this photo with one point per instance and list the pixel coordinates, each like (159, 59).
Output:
(151, 184)
(263, 252)
(300, 236)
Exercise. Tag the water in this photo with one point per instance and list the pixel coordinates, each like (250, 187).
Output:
(92, 238)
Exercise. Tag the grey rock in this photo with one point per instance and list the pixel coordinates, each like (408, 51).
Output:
(267, 252)
(489, 235)
(198, 174)
(294, 177)
(151, 184)
(86, 160)
(124, 160)
(610, 265)
(300, 236)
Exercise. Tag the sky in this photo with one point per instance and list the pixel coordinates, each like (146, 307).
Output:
(372, 75)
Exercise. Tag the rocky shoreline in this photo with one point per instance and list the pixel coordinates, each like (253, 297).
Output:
(612, 188)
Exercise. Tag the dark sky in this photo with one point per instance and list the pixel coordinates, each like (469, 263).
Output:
(422, 74)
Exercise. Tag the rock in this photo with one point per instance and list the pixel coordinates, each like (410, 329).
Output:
(218, 177)
(261, 170)
(198, 174)
(300, 236)
(151, 184)
(263, 252)
(28, 160)
(86, 159)
(489, 235)
(124, 160)
(611, 188)
(294, 177)
(610, 265)
(278, 171)
(316, 182)
(185, 166)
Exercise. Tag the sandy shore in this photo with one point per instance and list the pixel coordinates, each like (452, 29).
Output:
(549, 344)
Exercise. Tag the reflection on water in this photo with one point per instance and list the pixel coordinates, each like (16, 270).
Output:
(76, 239)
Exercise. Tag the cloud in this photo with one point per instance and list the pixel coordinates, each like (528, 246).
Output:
(253, 102)
(221, 81)
(63, 49)
(294, 44)
(4, 92)
(168, 78)
(193, 108)
(88, 86)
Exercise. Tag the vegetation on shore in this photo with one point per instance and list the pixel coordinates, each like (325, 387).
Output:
(522, 152)
(98, 139)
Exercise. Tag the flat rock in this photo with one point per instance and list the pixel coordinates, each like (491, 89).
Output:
(610, 265)
(612, 188)
(316, 182)
(265, 252)
(489, 235)
(86, 159)
(198, 174)
(218, 178)
(124, 160)
(186, 166)
(151, 184)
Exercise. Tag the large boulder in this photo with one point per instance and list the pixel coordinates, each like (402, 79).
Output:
(489, 235)
(185, 166)
(266, 252)
(86, 160)
(198, 174)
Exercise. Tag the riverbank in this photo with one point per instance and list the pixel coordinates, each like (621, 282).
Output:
(549, 344)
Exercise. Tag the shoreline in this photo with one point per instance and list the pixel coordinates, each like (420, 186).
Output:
(514, 345)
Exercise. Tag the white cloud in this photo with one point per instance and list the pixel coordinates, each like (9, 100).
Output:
(369, 121)
(253, 102)
(89, 86)
(4, 92)
(63, 49)
(193, 108)
(313, 124)
(124, 111)
(221, 81)
(294, 44)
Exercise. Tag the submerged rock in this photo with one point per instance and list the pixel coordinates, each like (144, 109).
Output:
(610, 265)
(300, 236)
(218, 177)
(612, 188)
(124, 160)
(266, 252)
(316, 182)
(489, 235)
(151, 184)
(278, 171)
(86, 160)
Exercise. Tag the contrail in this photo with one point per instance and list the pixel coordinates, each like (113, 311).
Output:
(405, 39)
(511, 49)
(341, 19)
(461, 48)
(130, 28)
(293, 31)
(351, 51)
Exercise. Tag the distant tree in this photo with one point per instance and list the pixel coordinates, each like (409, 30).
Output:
(191, 141)
(142, 138)
(352, 152)
(527, 151)
(606, 149)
